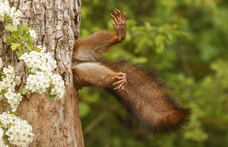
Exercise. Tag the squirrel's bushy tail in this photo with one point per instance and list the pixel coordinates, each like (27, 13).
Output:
(146, 99)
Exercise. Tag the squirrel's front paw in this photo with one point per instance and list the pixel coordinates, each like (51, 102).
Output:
(121, 81)
(120, 24)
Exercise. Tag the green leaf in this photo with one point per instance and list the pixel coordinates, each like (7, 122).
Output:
(52, 85)
(19, 54)
(160, 48)
(84, 109)
(6, 137)
(2, 74)
(9, 125)
(15, 34)
(24, 28)
(48, 94)
(14, 113)
(148, 25)
(141, 44)
(37, 49)
(11, 28)
(3, 92)
(28, 39)
(24, 91)
(29, 46)
(159, 39)
(9, 39)
(14, 46)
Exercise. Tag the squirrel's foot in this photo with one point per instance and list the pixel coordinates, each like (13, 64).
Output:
(121, 81)
(120, 24)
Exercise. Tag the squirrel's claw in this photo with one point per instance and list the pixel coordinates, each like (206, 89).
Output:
(121, 81)
(120, 24)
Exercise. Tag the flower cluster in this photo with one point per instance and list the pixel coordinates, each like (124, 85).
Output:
(7, 118)
(9, 81)
(8, 78)
(13, 99)
(41, 66)
(18, 130)
(20, 133)
(38, 82)
(6, 11)
(59, 88)
(43, 49)
(39, 61)
(32, 34)
(14, 15)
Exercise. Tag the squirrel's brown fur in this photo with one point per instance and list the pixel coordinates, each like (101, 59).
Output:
(143, 95)
(146, 99)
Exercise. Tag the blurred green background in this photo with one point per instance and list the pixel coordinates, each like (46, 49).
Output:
(186, 41)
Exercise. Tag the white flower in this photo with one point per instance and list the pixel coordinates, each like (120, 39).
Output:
(38, 82)
(19, 132)
(41, 81)
(39, 61)
(14, 15)
(7, 118)
(1, 132)
(9, 95)
(32, 34)
(6, 11)
(16, 21)
(13, 99)
(24, 56)
(8, 82)
(59, 88)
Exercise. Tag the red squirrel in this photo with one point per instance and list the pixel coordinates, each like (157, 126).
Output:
(142, 94)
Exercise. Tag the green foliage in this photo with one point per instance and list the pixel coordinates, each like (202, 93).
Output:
(11, 28)
(186, 41)
(24, 91)
(84, 109)
(14, 46)
(20, 40)
(48, 94)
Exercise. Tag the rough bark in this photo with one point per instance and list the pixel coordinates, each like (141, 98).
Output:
(57, 22)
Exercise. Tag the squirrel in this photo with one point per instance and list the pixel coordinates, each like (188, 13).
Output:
(142, 94)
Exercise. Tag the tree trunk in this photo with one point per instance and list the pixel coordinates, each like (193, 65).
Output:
(57, 22)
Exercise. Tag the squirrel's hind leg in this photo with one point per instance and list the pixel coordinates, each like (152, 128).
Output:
(96, 74)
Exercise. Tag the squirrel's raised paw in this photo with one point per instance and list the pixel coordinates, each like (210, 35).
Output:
(120, 24)
(121, 81)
